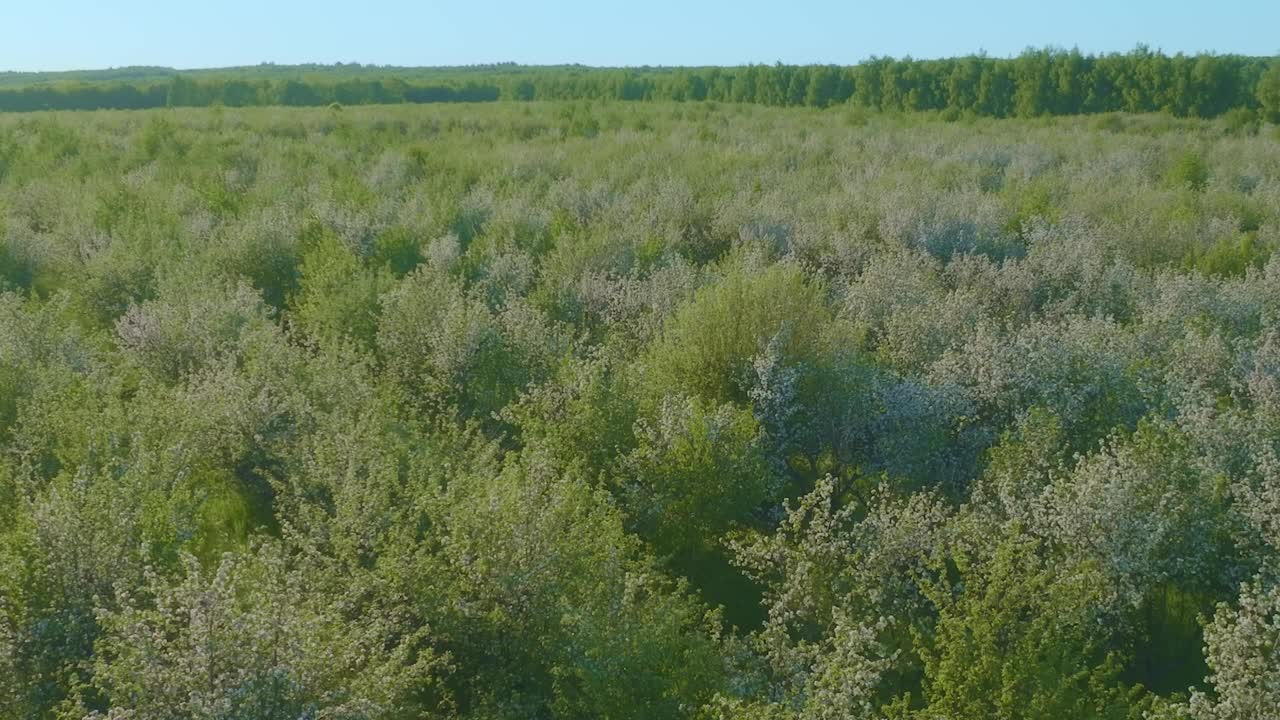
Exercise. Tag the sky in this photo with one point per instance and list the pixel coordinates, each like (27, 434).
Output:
(90, 34)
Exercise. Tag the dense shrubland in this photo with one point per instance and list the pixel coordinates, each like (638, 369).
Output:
(661, 410)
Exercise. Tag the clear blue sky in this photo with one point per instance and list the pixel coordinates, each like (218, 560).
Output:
(75, 34)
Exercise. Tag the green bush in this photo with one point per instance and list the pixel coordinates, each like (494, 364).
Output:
(1242, 121)
(1230, 256)
(338, 295)
(707, 346)
(1188, 171)
(445, 349)
(1016, 620)
(696, 471)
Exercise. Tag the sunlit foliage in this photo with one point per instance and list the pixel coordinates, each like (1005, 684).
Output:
(602, 409)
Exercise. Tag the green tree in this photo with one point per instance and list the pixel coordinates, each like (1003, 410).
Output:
(823, 86)
(1268, 93)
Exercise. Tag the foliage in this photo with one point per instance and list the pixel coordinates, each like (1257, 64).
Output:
(1019, 639)
(1189, 171)
(252, 641)
(643, 396)
(694, 473)
(1240, 644)
(1037, 82)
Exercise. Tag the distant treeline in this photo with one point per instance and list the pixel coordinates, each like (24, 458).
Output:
(1038, 82)
(183, 91)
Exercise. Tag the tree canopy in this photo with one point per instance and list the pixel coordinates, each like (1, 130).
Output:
(1037, 82)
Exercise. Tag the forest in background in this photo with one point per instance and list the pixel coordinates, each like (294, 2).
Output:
(1037, 82)
(638, 410)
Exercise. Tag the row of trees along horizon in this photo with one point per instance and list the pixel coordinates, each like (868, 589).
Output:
(1037, 82)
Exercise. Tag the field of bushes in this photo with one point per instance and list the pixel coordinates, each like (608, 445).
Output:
(643, 410)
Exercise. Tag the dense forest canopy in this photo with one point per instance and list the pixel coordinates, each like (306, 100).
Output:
(647, 410)
(1038, 82)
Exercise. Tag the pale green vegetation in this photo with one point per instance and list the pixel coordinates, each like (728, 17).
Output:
(606, 410)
